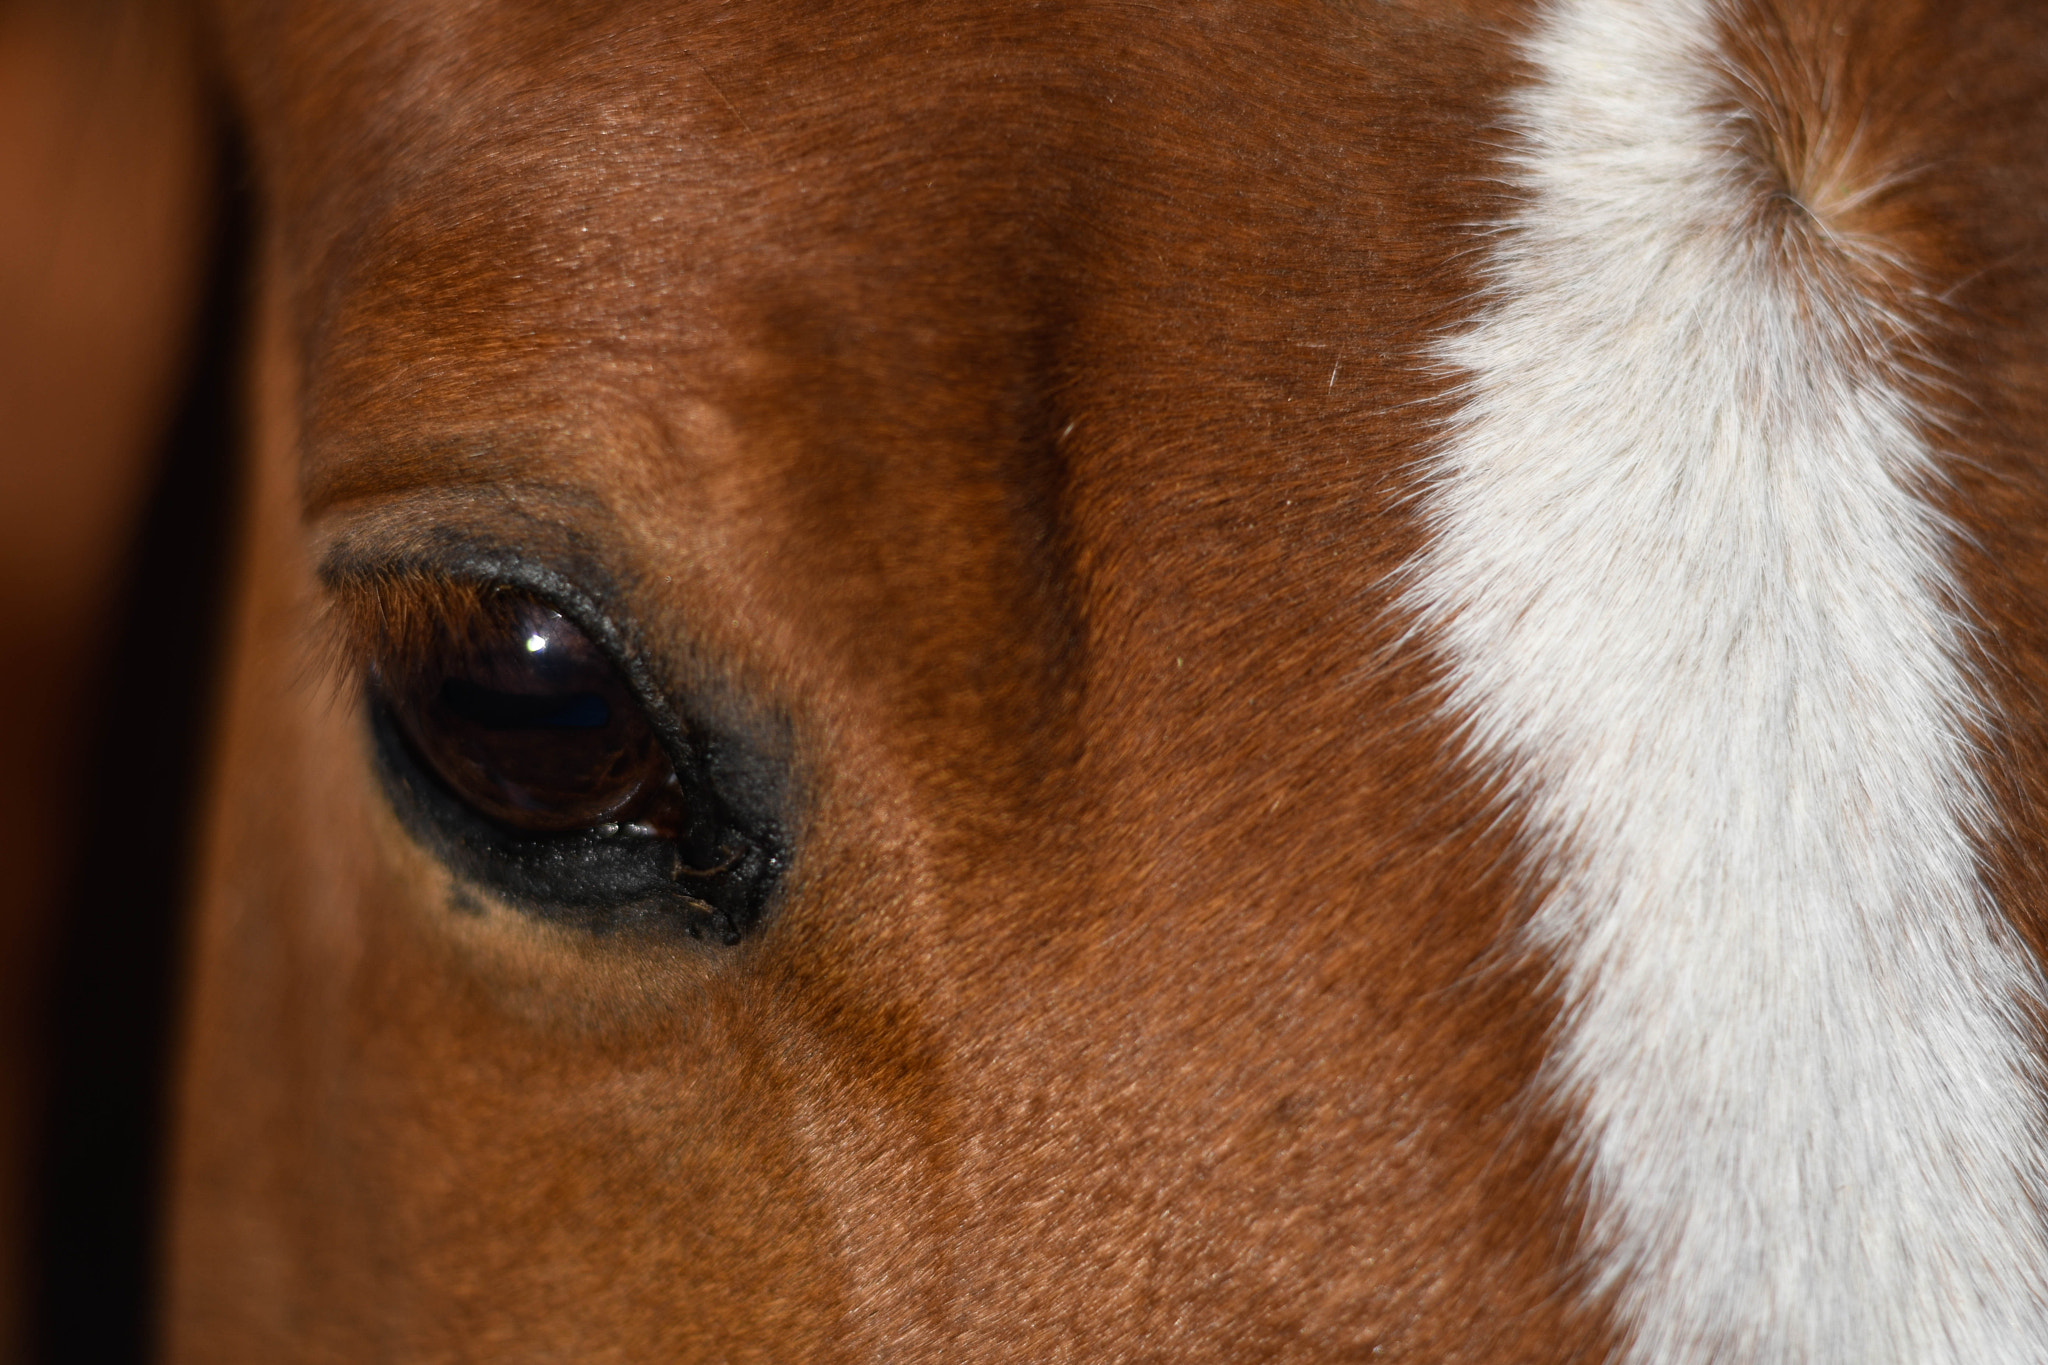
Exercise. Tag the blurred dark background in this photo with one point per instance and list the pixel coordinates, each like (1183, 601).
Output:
(121, 237)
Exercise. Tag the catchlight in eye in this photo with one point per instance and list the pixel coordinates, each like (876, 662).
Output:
(522, 716)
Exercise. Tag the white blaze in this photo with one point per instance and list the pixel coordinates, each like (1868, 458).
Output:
(1694, 604)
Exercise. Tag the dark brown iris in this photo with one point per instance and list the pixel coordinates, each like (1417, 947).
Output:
(526, 719)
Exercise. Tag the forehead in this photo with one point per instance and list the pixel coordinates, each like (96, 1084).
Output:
(546, 215)
(988, 330)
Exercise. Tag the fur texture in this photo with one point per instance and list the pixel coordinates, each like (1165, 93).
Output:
(1018, 410)
(1015, 406)
(1700, 612)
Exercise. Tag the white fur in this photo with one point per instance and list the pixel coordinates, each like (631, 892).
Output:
(1693, 601)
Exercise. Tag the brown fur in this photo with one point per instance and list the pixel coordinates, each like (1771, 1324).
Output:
(1019, 406)
(907, 372)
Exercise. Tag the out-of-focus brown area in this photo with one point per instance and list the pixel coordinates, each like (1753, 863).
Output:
(103, 152)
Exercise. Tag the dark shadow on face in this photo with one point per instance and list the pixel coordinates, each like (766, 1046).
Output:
(110, 1021)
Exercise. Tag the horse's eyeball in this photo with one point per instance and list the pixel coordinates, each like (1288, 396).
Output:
(527, 720)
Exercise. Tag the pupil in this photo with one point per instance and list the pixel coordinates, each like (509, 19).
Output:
(495, 710)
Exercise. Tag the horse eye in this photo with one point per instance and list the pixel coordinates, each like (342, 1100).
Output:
(523, 717)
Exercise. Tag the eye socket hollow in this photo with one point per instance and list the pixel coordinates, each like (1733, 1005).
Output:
(523, 716)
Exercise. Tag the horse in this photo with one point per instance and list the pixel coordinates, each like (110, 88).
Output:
(1110, 682)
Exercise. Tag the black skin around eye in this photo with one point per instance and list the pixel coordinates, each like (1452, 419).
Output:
(523, 717)
(516, 745)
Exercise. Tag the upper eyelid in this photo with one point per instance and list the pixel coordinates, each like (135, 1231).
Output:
(564, 546)
(545, 539)
(430, 550)
(400, 608)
